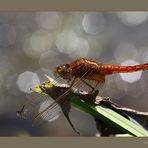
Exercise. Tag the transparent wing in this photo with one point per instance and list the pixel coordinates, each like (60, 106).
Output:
(36, 103)
(51, 114)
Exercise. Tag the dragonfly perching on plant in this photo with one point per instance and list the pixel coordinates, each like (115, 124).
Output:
(84, 69)
(80, 70)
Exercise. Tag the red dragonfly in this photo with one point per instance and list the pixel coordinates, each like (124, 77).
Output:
(83, 69)
(90, 70)
(77, 73)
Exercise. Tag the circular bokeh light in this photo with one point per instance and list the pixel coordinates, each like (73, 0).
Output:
(49, 20)
(38, 43)
(94, 23)
(27, 80)
(133, 18)
(130, 77)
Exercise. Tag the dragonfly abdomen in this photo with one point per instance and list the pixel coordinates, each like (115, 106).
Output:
(109, 69)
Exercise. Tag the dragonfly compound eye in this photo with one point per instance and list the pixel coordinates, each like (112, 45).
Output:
(63, 71)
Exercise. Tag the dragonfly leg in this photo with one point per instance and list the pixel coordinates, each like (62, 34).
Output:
(93, 88)
(88, 85)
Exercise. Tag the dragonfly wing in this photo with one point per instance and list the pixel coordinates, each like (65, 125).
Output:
(50, 114)
(38, 102)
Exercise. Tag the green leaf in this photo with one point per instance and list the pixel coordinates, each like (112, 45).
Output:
(109, 116)
(38, 90)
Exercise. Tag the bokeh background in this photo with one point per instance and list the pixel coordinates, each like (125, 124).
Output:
(34, 43)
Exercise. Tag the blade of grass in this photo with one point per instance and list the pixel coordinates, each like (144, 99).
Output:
(109, 116)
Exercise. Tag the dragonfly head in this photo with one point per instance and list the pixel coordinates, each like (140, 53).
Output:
(64, 71)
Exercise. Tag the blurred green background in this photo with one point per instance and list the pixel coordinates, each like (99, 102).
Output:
(34, 43)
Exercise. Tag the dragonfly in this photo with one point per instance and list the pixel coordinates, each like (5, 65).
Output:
(85, 69)
(81, 71)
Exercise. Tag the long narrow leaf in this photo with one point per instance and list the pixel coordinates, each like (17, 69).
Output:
(111, 117)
